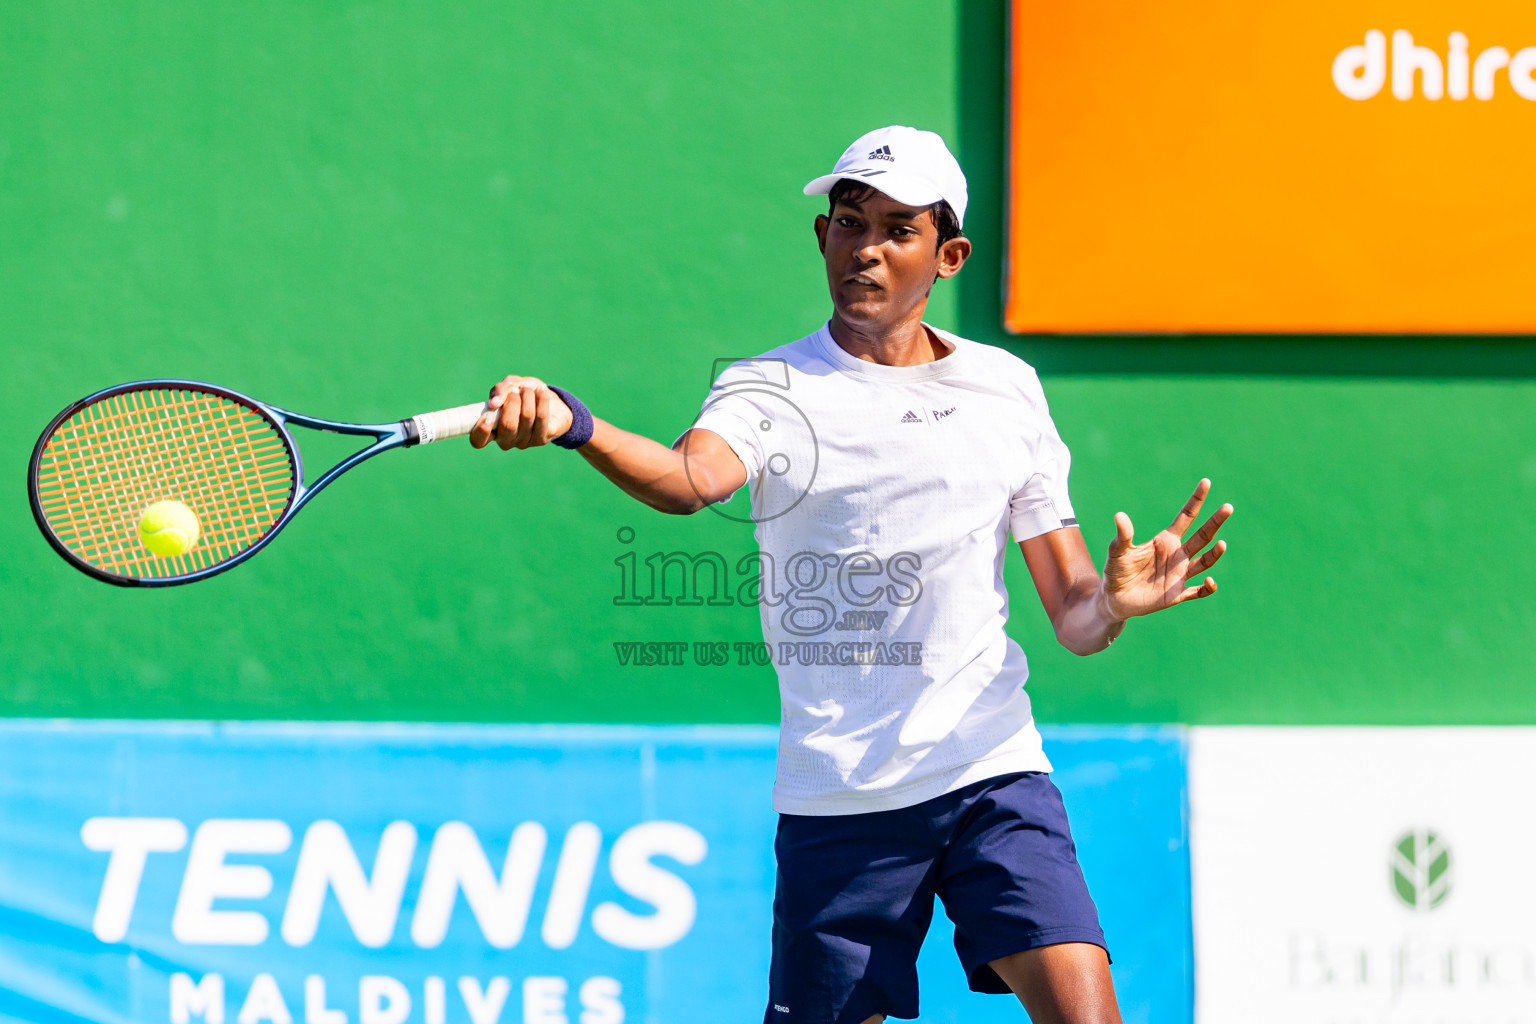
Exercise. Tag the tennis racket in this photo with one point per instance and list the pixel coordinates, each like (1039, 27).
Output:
(230, 459)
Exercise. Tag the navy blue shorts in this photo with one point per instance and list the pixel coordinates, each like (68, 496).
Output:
(855, 895)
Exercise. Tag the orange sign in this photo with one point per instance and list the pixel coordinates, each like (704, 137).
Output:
(1314, 165)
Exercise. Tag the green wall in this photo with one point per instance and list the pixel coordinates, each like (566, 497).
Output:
(369, 209)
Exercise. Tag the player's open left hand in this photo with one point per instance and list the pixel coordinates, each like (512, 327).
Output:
(529, 414)
(1148, 577)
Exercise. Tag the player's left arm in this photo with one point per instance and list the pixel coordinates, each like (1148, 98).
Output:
(1088, 610)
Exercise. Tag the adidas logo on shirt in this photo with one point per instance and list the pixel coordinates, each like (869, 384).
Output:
(883, 153)
(911, 417)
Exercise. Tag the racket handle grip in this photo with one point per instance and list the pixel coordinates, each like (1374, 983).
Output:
(447, 424)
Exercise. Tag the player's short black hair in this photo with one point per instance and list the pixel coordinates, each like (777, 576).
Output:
(849, 190)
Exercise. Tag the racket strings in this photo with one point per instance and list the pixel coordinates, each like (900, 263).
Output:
(109, 461)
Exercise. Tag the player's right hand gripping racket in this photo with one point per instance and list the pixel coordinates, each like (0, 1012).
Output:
(229, 459)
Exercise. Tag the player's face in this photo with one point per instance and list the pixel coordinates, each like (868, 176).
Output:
(882, 258)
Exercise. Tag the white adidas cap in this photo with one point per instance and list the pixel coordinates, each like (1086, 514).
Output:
(910, 166)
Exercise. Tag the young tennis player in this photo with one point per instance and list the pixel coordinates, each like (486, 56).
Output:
(888, 461)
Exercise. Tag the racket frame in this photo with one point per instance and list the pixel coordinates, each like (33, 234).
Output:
(402, 434)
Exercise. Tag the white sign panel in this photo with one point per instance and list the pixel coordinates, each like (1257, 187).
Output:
(1364, 875)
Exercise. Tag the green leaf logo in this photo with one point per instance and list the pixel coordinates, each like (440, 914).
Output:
(1421, 869)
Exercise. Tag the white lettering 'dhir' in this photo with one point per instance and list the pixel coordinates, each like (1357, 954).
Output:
(1361, 71)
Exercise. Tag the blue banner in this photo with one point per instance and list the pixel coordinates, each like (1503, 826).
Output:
(362, 874)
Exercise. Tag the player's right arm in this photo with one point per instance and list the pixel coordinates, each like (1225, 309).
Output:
(699, 470)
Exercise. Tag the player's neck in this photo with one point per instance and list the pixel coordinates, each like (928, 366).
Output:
(908, 343)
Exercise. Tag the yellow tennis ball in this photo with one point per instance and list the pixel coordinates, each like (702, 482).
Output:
(168, 528)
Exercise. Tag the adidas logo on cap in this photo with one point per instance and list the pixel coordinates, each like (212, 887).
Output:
(911, 417)
(926, 173)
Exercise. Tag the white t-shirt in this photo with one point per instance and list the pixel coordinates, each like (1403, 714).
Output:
(883, 498)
